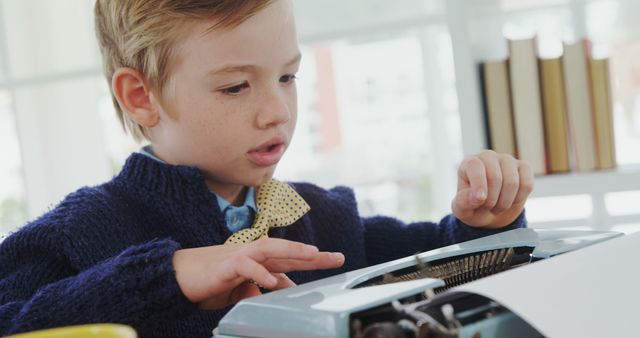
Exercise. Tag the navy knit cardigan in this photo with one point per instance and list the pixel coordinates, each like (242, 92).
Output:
(104, 254)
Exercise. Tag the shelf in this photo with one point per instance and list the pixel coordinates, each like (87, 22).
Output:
(597, 185)
(626, 224)
(624, 178)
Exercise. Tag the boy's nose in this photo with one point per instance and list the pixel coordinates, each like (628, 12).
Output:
(273, 110)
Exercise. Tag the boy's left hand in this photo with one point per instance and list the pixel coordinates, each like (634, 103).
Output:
(492, 189)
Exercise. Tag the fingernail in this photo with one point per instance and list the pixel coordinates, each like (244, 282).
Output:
(272, 280)
(338, 257)
(480, 194)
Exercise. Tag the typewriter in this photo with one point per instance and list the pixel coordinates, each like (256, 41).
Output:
(420, 296)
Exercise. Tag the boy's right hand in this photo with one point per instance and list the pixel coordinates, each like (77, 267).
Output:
(220, 275)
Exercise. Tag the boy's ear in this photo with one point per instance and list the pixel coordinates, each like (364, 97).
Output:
(134, 97)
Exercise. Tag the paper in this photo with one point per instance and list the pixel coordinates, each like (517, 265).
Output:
(591, 292)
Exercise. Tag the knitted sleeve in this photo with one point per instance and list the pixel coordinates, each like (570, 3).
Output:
(387, 238)
(39, 288)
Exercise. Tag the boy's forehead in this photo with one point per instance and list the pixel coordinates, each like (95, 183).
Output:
(276, 10)
(270, 31)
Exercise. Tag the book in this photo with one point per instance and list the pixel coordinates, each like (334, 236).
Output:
(554, 112)
(527, 106)
(602, 113)
(580, 120)
(497, 106)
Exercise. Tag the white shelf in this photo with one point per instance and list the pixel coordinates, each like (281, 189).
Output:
(597, 185)
(624, 178)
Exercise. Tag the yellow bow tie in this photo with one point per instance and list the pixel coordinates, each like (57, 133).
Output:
(278, 206)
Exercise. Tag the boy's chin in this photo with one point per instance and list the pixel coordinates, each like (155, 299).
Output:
(262, 178)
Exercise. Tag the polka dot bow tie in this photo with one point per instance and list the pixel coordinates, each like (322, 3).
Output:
(278, 206)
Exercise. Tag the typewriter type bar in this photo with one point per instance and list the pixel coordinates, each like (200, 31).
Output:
(462, 316)
(460, 269)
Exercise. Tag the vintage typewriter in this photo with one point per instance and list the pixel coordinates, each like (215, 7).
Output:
(412, 297)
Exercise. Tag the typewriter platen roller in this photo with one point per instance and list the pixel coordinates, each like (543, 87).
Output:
(408, 297)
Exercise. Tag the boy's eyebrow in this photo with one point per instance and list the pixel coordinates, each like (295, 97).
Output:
(248, 68)
(295, 60)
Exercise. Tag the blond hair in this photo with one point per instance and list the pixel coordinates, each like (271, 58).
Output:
(142, 34)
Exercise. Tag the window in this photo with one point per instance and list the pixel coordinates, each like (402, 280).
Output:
(614, 31)
(12, 202)
(375, 95)
(50, 137)
(364, 117)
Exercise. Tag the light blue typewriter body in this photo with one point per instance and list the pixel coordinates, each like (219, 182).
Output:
(323, 308)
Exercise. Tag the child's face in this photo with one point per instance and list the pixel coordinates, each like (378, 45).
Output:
(231, 101)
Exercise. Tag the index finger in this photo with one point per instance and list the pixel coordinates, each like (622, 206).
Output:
(323, 260)
(270, 248)
(474, 172)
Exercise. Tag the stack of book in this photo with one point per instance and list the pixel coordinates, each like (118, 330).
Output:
(555, 113)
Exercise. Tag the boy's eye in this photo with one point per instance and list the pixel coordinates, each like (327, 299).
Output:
(234, 90)
(288, 78)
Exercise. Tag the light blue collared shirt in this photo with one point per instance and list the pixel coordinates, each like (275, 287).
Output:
(236, 217)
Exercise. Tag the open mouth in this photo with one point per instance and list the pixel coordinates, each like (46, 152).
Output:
(268, 153)
(266, 148)
(271, 147)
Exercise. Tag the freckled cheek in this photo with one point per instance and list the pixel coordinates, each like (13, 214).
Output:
(293, 111)
(293, 99)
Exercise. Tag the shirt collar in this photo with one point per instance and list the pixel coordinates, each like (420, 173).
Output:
(249, 201)
(146, 150)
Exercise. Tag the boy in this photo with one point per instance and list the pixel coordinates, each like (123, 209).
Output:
(211, 86)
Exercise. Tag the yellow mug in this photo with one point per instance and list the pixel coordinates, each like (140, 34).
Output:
(83, 331)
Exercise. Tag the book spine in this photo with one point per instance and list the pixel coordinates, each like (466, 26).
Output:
(527, 110)
(497, 104)
(576, 78)
(554, 110)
